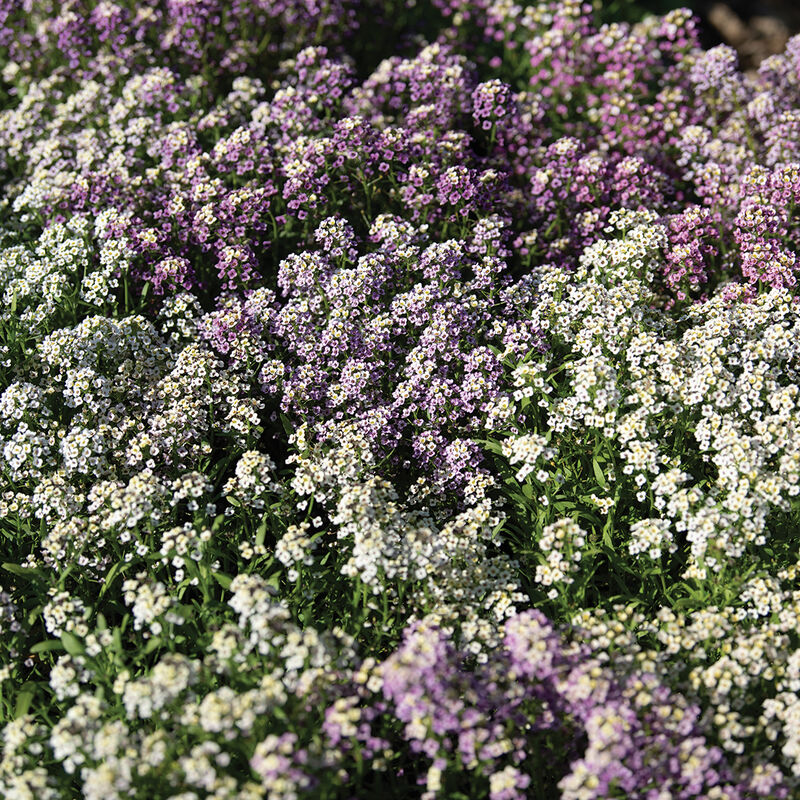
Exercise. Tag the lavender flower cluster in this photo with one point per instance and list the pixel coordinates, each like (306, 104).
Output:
(396, 399)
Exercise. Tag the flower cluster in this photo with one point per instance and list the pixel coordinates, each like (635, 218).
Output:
(396, 398)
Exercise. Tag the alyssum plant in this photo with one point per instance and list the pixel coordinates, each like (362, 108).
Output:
(424, 427)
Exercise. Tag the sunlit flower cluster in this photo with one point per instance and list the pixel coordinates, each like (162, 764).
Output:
(396, 399)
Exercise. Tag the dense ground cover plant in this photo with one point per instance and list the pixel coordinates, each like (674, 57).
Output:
(422, 425)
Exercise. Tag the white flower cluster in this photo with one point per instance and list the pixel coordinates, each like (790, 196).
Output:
(295, 547)
(65, 613)
(115, 258)
(253, 483)
(650, 536)
(21, 773)
(150, 602)
(144, 696)
(529, 449)
(221, 703)
(456, 574)
(727, 384)
(36, 281)
(182, 543)
(267, 628)
(102, 431)
(561, 543)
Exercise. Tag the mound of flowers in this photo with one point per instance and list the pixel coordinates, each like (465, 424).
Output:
(396, 400)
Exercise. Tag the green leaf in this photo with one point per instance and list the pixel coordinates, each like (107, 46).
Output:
(153, 644)
(33, 614)
(186, 610)
(17, 569)
(261, 533)
(607, 541)
(110, 575)
(274, 580)
(47, 645)
(217, 524)
(24, 699)
(72, 644)
(287, 425)
(222, 579)
(527, 490)
(598, 473)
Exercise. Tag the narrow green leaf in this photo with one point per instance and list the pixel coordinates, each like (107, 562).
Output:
(598, 473)
(217, 524)
(33, 614)
(153, 644)
(222, 579)
(261, 533)
(110, 575)
(24, 700)
(186, 610)
(17, 569)
(47, 645)
(72, 644)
